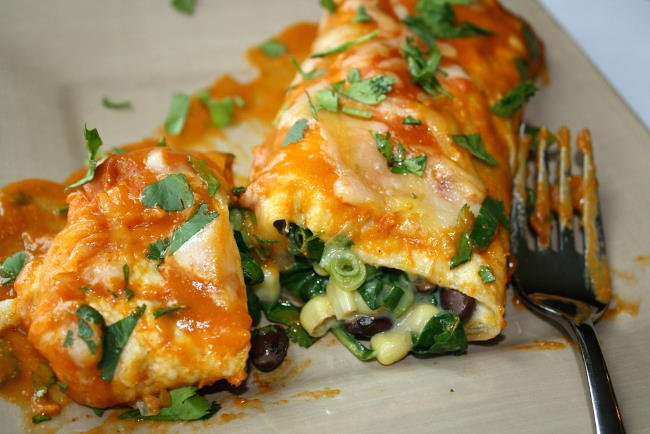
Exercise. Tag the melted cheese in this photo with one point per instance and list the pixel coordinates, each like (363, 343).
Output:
(335, 180)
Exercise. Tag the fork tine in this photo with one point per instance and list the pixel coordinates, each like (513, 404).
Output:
(541, 217)
(596, 267)
(565, 204)
(519, 216)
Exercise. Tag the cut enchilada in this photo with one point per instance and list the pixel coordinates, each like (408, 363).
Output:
(400, 149)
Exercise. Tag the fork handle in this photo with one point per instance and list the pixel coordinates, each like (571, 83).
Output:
(607, 415)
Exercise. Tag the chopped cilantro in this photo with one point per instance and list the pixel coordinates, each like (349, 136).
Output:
(11, 267)
(312, 107)
(306, 75)
(463, 252)
(85, 288)
(172, 193)
(93, 143)
(522, 68)
(514, 100)
(396, 156)
(123, 105)
(238, 190)
(41, 418)
(191, 227)
(158, 248)
(341, 48)
(489, 216)
(362, 16)
(177, 114)
(486, 274)
(474, 144)
(184, 6)
(115, 338)
(355, 111)
(206, 174)
(118, 150)
(369, 91)
(185, 404)
(354, 75)
(436, 19)
(423, 69)
(87, 315)
(165, 310)
(296, 133)
(531, 40)
(329, 5)
(410, 120)
(162, 142)
(129, 293)
(273, 48)
(99, 412)
(69, 339)
(222, 110)
(327, 99)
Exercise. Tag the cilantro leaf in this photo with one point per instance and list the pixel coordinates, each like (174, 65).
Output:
(436, 19)
(463, 252)
(354, 75)
(514, 100)
(306, 75)
(123, 105)
(273, 48)
(184, 6)
(165, 310)
(474, 144)
(87, 314)
(93, 143)
(396, 156)
(208, 176)
(423, 69)
(327, 99)
(410, 120)
(485, 225)
(486, 274)
(191, 227)
(329, 5)
(11, 267)
(522, 68)
(312, 107)
(177, 114)
(158, 249)
(172, 193)
(369, 91)
(185, 404)
(296, 133)
(69, 339)
(222, 110)
(362, 16)
(341, 48)
(531, 40)
(115, 338)
(355, 111)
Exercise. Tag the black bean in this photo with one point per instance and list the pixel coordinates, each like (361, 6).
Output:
(365, 327)
(269, 347)
(457, 302)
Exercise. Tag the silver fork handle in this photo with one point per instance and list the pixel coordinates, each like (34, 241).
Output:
(607, 415)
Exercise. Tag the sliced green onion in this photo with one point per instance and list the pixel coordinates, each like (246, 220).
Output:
(360, 351)
(344, 266)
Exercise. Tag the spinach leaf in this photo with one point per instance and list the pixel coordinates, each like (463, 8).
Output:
(93, 143)
(360, 351)
(284, 312)
(185, 404)
(302, 281)
(254, 306)
(303, 242)
(172, 193)
(443, 333)
(115, 338)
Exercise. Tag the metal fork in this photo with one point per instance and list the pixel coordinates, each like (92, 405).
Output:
(570, 287)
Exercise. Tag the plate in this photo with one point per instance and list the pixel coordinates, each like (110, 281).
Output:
(57, 60)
